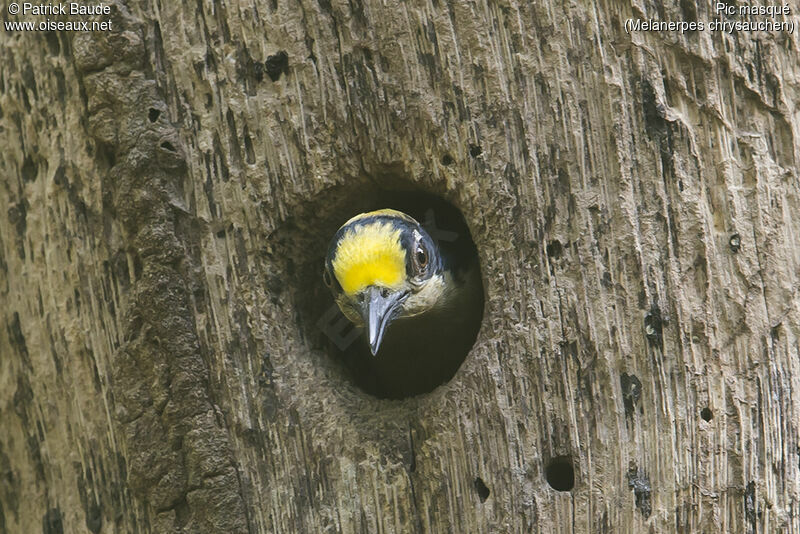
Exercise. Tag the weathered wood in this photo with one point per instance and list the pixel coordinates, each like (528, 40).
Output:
(168, 189)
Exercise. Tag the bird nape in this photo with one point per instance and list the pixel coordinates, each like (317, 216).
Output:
(417, 295)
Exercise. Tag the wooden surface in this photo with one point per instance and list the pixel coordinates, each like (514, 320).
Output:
(167, 191)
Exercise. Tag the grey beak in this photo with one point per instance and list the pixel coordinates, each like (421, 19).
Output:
(377, 311)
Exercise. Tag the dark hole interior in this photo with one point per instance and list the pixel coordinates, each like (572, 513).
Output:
(706, 414)
(303, 244)
(480, 487)
(554, 249)
(560, 474)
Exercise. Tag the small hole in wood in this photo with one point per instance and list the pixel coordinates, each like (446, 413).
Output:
(447, 159)
(166, 145)
(735, 243)
(153, 115)
(706, 414)
(560, 474)
(276, 65)
(653, 326)
(554, 249)
(483, 491)
(475, 150)
(137, 267)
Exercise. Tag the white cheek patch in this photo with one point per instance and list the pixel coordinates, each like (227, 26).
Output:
(426, 298)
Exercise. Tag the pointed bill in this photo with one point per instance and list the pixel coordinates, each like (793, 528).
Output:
(378, 309)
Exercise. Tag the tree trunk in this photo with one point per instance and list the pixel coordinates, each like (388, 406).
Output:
(168, 190)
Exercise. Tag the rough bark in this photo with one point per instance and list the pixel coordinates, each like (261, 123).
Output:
(168, 189)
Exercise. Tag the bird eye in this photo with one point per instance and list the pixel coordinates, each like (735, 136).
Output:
(326, 277)
(422, 257)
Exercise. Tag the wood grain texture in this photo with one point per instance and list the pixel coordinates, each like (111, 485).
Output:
(167, 193)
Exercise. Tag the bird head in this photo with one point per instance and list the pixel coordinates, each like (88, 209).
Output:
(381, 267)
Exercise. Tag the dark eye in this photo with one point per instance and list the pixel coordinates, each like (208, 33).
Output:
(421, 255)
(326, 277)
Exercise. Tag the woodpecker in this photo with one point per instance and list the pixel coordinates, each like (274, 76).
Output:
(418, 300)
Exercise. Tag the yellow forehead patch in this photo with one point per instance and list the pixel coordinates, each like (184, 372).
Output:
(370, 255)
